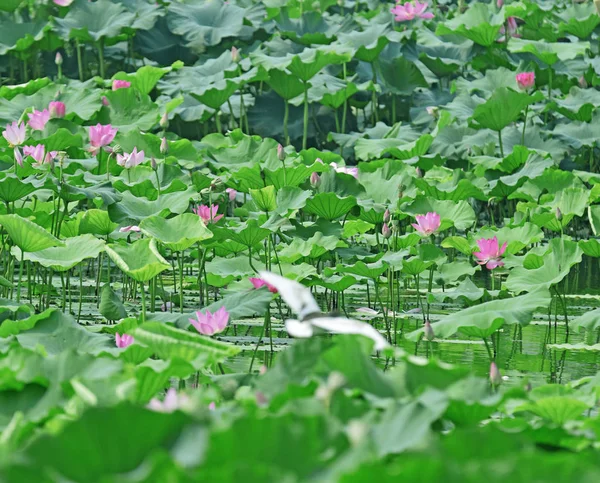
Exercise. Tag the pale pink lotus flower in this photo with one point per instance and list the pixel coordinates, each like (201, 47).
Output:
(495, 376)
(525, 80)
(38, 119)
(105, 101)
(499, 3)
(212, 406)
(427, 224)
(315, 180)
(345, 169)
(410, 11)
(208, 214)
(231, 193)
(172, 402)
(131, 160)
(101, 135)
(63, 3)
(57, 109)
(120, 84)
(15, 134)
(18, 156)
(210, 324)
(259, 282)
(123, 341)
(235, 55)
(39, 154)
(512, 29)
(58, 59)
(490, 253)
(126, 229)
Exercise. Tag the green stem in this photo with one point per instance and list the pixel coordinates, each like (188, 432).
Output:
(286, 115)
(101, 57)
(500, 142)
(524, 126)
(489, 351)
(20, 276)
(180, 257)
(143, 291)
(305, 132)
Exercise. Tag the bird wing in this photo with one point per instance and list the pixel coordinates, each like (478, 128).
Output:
(296, 295)
(342, 325)
(301, 330)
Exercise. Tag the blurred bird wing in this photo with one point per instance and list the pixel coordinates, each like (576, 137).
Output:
(342, 325)
(296, 295)
(295, 328)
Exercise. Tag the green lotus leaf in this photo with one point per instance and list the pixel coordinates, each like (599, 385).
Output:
(368, 270)
(590, 247)
(265, 198)
(311, 28)
(12, 188)
(459, 214)
(480, 23)
(557, 409)
(335, 282)
(466, 291)
(178, 233)
(516, 238)
(111, 307)
(329, 205)
(62, 258)
(248, 235)
(484, 319)
(548, 52)
(450, 273)
(504, 107)
(20, 36)
(96, 222)
(579, 104)
(285, 84)
(130, 109)
(458, 243)
(314, 247)
(133, 210)
(139, 260)
(579, 20)
(28, 236)
(291, 198)
(400, 76)
(415, 266)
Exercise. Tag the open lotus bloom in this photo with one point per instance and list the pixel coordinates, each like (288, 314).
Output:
(490, 253)
(39, 154)
(131, 160)
(312, 320)
(345, 169)
(172, 402)
(120, 84)
(123, 341)
(126, 229)
(38, 119)
(57, 109)
(63, 3)
(525, 80)
(231, 193)
(208, 214)
(259, 282)
(427, 224)
(101, 135)
(410, 11)
(210, 324)
(15, 133)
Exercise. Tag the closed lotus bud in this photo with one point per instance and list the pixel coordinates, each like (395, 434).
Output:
(495, 376)
(235, 55)
(583, 83)
(280, 152)
(387, 216)
(428, 331)
(105, 101)
(58, 60)
(433, 111)
(164, 121)
(153, 163)
(315, 180)
(164, 146)
(558, 213)
(419, 172)
(386, 231)
(499, 3)
(18, 156)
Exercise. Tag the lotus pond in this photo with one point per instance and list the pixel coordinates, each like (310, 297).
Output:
(299, 241)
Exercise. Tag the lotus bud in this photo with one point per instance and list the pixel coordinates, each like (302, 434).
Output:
(231, 193)
(105, 101)
(58, 59)
(583, 83)
(235, 55)
(153, 163)
(280, 152)
(499, 3)
(315, 180)
(558, 214)
(495, 377)
(18, 156)
(164, 121)
(419, 172)
(356, 431)
(164, 146)
(387, 216)
(433, 111)
(428, 331)
(386, 231)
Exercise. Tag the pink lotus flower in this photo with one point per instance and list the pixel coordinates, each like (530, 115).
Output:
(105, 101)
(386, 231)
(101, 135)
(63, 3)
(18, 156)
(172, 402)
(315, 180)
(495, 376)
(512, 29)
(490, 253)
(235, 55)
(57, 109)
(208, 214)
(39, 154)
(345, 169)
(210, 324)
(131, 160)
(123, 341)
(129, 228)
(120, 84)
(38, 119)
(427, 224)
(410, 11)
(525, 80)
(259, 282)
(212, 406)
(15, 134)
(231, 193)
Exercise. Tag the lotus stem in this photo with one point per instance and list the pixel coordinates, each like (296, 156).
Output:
(305, 131)
(101, 58)
(20, 276)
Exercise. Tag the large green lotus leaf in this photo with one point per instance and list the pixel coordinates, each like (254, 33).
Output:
(488, 83)
(466, 291)
(12, 109)
(207, 23)
(130, 109)
(134, 210)
(589, 321)
(548, 52)
(579, 104)
(458, 243)
(516, 238)
(63, 258)
(504, 107)
(310, 28)
(91, 21)
(480, 23)
(182, 149)
(450, 273)
(561, 256)
(12, 188)
(570, 201)
(368, 270)
(316, 246)
(290, 199)
(265, 198)
(146, 14)
(590, 247)
(457, 188)
(400, 76)
(21, 36)
(139, 260)
(168, 342)
(330, 91)
(579, 20)
(249, 234)
(28, 236)
(329, 205)
(246, 151)
(111, 307)
(484, 319)
(177, 233)
(369, 43)
(89, 448)
(578, 134)
(557, 409)
(594, 218)
(458, 214)
(96, 222)
(216, 94)
(285, 84)
(146, 77)
(367, 149)
(534, 167)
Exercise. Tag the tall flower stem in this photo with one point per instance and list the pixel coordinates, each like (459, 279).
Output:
(500, 142)
(305, 131)
(101, 57)
(20, 276)
(524, 126)
(286, 114)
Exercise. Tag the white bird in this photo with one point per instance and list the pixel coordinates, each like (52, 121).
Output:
(301, 301)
